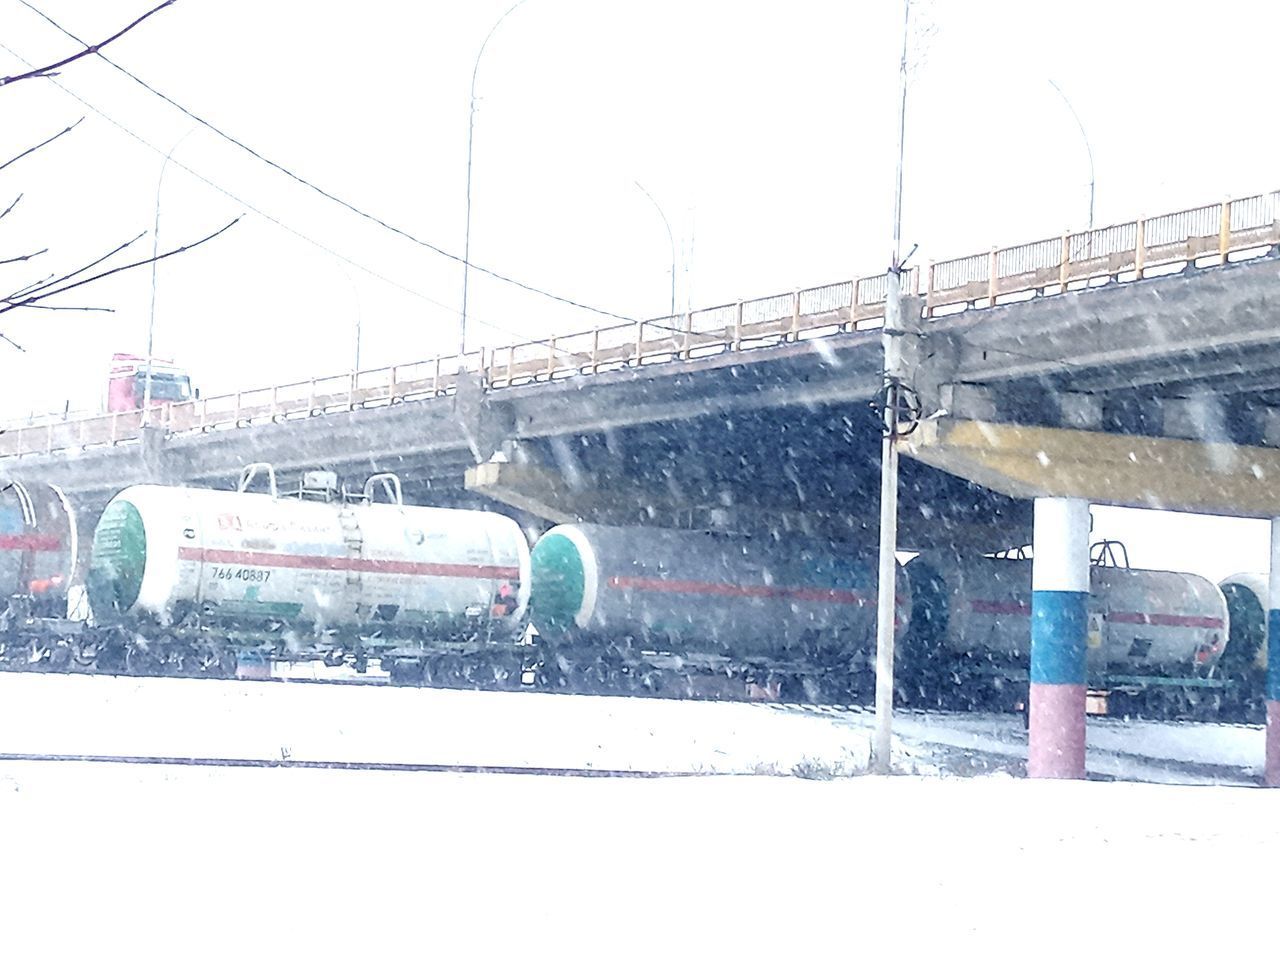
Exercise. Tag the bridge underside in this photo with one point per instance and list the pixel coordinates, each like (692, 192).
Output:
(760, 472)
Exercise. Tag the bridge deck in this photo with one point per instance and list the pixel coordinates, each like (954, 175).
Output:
(1120, 252)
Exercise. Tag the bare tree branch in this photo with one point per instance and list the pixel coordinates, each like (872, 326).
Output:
(37, 295)
(25, 256)
(46, 306)
(28, 288)
(11, 206)
(47, 282)
(13, 343)
(37, 147)
(87, 51)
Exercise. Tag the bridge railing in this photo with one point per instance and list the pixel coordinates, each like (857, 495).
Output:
(1123, 250)
(1041, 267)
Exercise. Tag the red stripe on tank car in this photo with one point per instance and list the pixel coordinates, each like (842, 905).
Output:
(253, 558)
(1166, 620)
(39, 543)
(702, 588)
(995, 607)
(1014, 608)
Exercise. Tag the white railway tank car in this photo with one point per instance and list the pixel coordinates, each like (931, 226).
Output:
(354, 566)
(972, 615)
(762, 600)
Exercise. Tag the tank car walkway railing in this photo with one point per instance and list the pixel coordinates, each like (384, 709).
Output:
(1117, 253)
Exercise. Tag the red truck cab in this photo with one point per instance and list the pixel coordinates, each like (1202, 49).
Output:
(127, 384)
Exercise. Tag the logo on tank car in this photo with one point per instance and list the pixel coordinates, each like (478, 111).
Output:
(1207, 650)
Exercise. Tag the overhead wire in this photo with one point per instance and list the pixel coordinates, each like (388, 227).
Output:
(255, 209)
(325, 193)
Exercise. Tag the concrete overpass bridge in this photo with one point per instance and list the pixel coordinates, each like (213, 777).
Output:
(1139, 361)
(1136, 364)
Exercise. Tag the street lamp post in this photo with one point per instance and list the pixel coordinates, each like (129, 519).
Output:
(471, 128)
(1087, 146)
(894, 374)
(155, 252)
(670, 240)
(355, 295)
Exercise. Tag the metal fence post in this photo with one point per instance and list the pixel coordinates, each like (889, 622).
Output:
(1140, 247)
(1224, 231)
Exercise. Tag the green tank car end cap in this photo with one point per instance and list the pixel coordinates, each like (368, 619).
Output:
(558, 583)
(118, 560)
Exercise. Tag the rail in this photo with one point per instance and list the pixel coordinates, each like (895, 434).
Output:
(1120, 252)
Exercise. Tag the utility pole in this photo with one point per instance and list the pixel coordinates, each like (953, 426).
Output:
(155, 251)
(894, 374)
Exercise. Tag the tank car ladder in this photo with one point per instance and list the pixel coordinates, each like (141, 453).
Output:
(353, 540)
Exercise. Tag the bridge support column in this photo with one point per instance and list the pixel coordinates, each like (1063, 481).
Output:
(1059, 626)
(1271, 768)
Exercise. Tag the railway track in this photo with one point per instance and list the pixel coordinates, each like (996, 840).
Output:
(287, 763)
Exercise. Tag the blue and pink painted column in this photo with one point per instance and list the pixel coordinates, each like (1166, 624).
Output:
(1059, 629)
(1271, 769)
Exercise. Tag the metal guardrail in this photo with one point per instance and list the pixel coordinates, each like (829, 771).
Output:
(1042, 267)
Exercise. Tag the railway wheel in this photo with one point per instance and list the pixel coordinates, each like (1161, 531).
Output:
(143, 662)
(407, 673)
(60, 656)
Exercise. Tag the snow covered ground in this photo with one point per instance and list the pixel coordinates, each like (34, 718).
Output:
(346, 723)
(167, 862)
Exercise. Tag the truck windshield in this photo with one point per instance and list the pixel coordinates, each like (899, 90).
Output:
(164, 386)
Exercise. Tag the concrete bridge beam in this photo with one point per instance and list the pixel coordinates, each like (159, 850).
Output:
(969, 401)
(1199, 417)
(1080, 411)
(1123, 470)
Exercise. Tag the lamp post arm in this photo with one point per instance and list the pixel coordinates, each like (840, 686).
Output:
(471, 129)
(1087, 146)
(670, 239)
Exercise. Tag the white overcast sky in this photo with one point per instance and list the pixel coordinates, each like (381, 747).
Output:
(763, 130)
